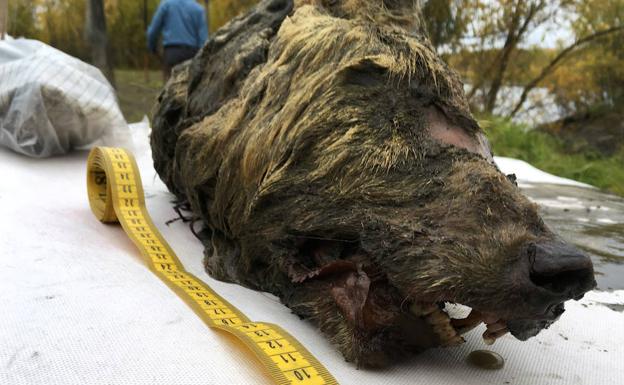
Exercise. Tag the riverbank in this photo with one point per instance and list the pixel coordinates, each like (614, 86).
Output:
(552, 155)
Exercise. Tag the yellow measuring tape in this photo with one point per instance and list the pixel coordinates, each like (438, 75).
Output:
(116, 195)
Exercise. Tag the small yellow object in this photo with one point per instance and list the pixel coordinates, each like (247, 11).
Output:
(116, 195)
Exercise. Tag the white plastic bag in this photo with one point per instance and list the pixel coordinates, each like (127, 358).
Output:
(51, 102)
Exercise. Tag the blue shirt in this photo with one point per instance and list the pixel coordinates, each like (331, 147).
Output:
(182, 22)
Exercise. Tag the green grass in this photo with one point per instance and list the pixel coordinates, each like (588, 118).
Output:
(137, 94)
(550, 154)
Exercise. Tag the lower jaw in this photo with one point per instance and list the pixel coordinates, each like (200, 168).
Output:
(449, 330)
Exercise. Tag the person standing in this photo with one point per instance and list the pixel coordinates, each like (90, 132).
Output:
(184, 31)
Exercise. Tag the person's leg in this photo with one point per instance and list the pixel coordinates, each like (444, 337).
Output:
(186, 53)
(178, 54)
(166, 72)
(167, 58)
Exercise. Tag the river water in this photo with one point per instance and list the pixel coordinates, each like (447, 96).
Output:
(590, 219)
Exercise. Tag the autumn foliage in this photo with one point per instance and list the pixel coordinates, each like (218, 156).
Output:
(492, 43)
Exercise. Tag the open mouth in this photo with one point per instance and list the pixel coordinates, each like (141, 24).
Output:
(362, 292)
(449, 321)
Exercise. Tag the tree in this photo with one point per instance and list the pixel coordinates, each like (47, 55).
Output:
(494, 39)
(127, 23)
(607, 65)
(446, 23)
(4, 17)
(60, 23)
(97, 39)
(22, 15)
(563, 54)
(505, 24)
(224, 10)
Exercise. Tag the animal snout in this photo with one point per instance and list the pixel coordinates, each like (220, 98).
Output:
(561, 269)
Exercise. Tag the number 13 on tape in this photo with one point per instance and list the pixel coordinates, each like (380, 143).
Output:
(116, 195)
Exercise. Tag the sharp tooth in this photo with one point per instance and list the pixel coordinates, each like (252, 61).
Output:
(489, 337)
(490, 318)
(447, 334)
(440, 323)
(466, 324)
(469, 320)
(496, 326)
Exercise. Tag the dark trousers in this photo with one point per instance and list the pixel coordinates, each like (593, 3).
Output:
(174, 55)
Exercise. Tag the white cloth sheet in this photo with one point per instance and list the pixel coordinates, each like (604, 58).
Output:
(79, 306)
(527, 173)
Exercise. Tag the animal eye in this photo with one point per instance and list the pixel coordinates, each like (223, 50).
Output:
(512, 178)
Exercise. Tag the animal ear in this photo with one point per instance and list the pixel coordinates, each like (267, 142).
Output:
(366, 72)
(366, 305)
(349, 286)
(350, 291)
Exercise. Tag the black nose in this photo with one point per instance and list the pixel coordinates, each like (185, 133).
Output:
(561, 269)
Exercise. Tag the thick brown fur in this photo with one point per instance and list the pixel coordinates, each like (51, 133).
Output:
(301, 137)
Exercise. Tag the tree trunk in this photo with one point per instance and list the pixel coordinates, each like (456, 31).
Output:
(97, 39)
(4, 18)
(516, 31)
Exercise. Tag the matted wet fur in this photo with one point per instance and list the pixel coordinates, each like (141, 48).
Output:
(333, 159)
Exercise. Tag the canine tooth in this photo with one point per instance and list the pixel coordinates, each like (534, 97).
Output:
(448, 336)
(501, 333)
(466, 324)
(489, 337)
(496, 326)
(440, 323)
(490, 318)
(445, 331)
(473, 316)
